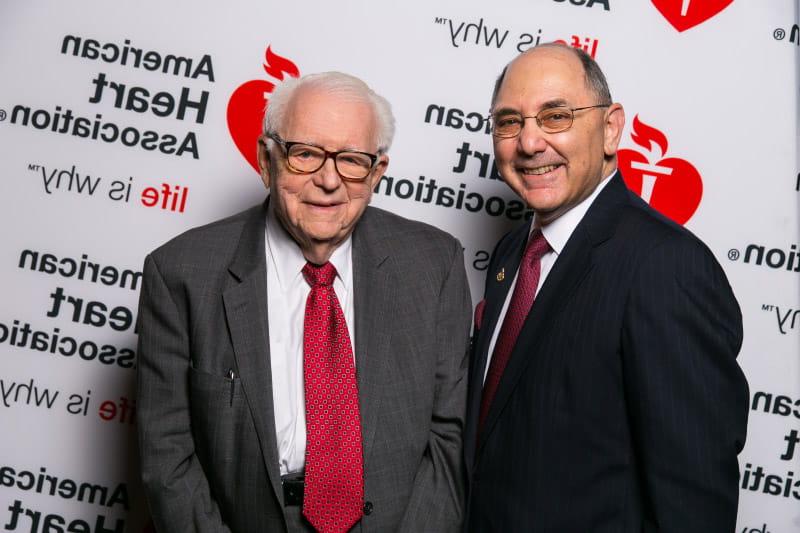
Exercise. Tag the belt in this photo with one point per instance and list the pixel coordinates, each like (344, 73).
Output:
(293, 485)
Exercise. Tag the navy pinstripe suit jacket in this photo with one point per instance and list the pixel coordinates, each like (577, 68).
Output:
(622, 407)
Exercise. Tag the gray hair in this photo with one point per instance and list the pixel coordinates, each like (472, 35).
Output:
(334, 83)
(593, 75)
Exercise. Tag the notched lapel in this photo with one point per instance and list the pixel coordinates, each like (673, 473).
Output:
(497, 286)
(498, 282)
(571, 268)
(245, 303)
(569, 271)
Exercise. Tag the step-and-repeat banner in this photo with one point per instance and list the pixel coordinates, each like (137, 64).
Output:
(123, 124)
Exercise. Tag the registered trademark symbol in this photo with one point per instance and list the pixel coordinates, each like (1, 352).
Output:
(2, 115)
(779, 34)
(733, 254)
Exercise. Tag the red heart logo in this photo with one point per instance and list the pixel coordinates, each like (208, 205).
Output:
(672, 186)
(245, 113)
(249, 101)
(676, 193)
(685, 14)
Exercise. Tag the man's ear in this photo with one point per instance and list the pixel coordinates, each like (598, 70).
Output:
(615, 122)
(378, 171)
(263, 160)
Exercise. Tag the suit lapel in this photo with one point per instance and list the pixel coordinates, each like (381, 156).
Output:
(572, 266)
(246, 312)
(498, 281)
(373, 295)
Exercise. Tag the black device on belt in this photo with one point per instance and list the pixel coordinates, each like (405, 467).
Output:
(293, 485)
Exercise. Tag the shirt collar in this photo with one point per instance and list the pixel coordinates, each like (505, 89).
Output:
(288, 258)
(342, 260)
(558, 232)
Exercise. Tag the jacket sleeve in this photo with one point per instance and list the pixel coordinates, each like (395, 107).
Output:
(686, 395)
(176, 489)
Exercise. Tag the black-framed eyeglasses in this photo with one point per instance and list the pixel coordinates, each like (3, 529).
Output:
(304, 158)
(507, 124)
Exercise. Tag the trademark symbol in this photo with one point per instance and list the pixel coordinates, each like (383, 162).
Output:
(767, 307)
(440, 20)
(779, 34)
(733, 254)
(2, 115)
(33, 167)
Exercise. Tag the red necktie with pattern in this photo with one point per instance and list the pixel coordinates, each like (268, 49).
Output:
(521, 302)
(333, 497)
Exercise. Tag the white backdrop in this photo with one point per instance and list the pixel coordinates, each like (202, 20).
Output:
(712, 84)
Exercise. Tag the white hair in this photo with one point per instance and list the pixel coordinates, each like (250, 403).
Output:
(333, 83)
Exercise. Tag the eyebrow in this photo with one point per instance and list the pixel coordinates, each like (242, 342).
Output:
(346, 149)
(550, 104)
(558, 102)
(504, 111)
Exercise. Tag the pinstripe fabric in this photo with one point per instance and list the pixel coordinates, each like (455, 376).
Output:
(622, 407)
(208, 450)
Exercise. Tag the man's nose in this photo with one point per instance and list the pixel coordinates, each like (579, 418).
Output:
(327, 177)
(531, 139)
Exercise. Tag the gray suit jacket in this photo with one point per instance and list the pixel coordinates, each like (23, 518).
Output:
(208, 447)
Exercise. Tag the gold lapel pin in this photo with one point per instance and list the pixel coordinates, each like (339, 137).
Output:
(501, 275)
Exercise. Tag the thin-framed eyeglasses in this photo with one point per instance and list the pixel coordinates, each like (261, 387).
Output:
(507, 124)
(304, 158)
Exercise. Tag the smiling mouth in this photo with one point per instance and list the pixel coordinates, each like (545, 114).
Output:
(323, 206)
(538, 171)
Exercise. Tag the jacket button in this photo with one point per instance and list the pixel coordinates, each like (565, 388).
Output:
(367, 508)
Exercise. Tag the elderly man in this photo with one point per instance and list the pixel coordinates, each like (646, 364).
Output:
(303, 363)
(604, 390)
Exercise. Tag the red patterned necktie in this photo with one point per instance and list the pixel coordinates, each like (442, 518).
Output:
(333, 497)
(521, 302)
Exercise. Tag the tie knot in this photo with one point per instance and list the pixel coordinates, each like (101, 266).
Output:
(537, 247)
(319, 276)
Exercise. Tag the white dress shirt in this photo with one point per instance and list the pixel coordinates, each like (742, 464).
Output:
(287, 292)
(556, 233)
